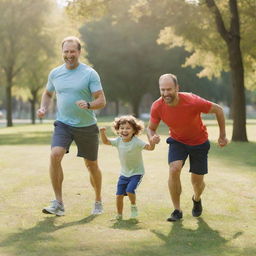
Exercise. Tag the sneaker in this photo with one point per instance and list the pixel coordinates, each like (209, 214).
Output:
(97, 208)
(175, 215)
(134, 212)
(197, 208)
(56, 208)
(119, 217)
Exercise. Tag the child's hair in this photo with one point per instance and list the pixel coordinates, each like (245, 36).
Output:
(137, 125)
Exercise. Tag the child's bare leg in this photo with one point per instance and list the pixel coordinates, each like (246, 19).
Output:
(134, 209)
(120, 204)
(132, 198)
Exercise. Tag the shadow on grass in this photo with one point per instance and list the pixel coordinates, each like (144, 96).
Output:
(179, 241)
(200, 241)
(182, 241)
(131, 224)
(34, 241)
(79, 222)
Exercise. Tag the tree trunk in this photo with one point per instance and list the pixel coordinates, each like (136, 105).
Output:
(9, 103)
(232, 39)
(238, 92)
(32, 111)
(33, 106)
(117, 107)
(135, 108)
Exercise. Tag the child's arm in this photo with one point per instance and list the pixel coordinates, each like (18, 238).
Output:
(103, 136)
(151, 145)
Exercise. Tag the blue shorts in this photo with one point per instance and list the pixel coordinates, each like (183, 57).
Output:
(86, 139)
(198, 155)
(128, 184)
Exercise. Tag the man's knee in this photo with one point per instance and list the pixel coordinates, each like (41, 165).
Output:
(175, 169)
(92, 166)
(57, 154)
(197, 180)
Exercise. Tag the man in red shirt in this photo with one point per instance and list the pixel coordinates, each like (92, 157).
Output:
(181, 112)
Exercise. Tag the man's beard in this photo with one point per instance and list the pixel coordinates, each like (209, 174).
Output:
(169, 99)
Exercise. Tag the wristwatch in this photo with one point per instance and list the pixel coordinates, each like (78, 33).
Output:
(88, 105)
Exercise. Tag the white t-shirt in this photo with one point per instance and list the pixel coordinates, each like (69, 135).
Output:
(130, 155)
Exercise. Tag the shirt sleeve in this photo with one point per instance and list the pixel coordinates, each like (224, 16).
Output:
(49, 86)
(203, 105)
(154, 114)
(95, 83)
(114, 142)
(141, 144)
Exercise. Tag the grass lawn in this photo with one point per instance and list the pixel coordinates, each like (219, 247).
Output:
(227, 226)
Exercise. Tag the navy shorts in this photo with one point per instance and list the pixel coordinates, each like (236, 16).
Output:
(198, 155)
(128, 184)
(86, 139)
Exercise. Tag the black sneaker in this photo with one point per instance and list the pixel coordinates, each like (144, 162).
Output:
(197, 208)
(176, 215)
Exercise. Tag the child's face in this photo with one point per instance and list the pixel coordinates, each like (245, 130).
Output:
(126, 132)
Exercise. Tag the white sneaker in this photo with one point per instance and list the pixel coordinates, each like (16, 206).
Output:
(119, 217)
(56, 208)
(134, 212)
(97, 208)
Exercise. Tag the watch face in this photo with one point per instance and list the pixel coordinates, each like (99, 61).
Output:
(88, 105)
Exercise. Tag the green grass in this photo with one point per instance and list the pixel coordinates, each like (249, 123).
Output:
(227, 226)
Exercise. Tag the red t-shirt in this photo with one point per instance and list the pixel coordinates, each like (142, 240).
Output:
(184, 119)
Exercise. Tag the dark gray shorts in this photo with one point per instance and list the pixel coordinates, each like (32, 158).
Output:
(86, 139)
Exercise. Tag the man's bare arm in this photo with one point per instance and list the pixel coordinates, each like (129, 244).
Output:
(45, 103)
(218, 111)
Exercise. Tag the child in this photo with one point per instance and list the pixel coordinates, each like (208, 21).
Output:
(129, 147)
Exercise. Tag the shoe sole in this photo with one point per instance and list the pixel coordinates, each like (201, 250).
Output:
(196, 214)
(173, 220)
(96, 213)
(49, 212)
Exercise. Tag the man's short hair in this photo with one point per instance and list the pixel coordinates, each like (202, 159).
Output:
(72, 39)
(169, 76)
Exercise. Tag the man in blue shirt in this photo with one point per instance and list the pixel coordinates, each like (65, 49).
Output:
(79, 92)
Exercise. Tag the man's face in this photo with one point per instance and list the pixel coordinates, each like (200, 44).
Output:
(168, 91)
(70, 54)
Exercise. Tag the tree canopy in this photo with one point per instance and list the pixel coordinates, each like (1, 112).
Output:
(22, 33)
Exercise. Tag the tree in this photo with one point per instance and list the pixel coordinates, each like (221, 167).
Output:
(127, 62)
(219, 33)
(130, 61)
(34, 77)
(21, 23)
(232, 37)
